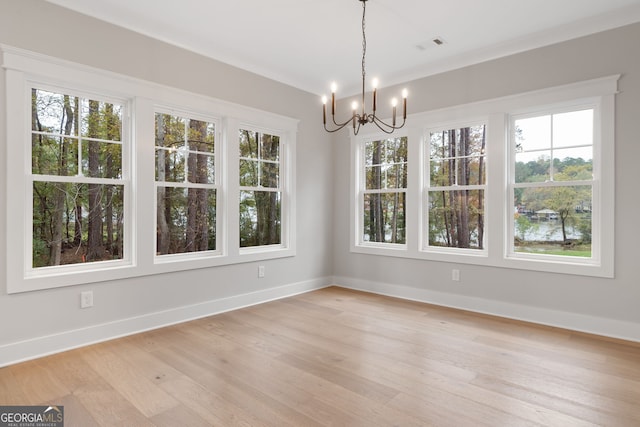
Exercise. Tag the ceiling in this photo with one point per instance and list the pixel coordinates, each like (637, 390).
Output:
(308, 44)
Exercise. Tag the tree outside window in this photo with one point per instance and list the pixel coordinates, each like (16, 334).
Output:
(185, 185)
(385, 191)
(456, 190)
(260, 189)
(553, 187)
(77, 179)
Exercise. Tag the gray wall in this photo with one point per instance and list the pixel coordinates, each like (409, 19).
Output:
(44, 28)
(322, 177)
(543, 297)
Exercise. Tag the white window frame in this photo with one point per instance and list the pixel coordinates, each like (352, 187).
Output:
(24, 69)
(596, 246)
(358, 184)
(217, 186)
(496, 113)
(426, 186)
(284, 181)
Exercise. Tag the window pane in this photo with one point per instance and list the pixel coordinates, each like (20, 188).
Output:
(170, 131)
(260, 220)
(396, 150)
(201, 136)
(186, 220)
(54, 112)
(201, 168)
(386, 176)
(457, 157)
(440, 145)
(373, 152)
(442, 173)
(270, 148)
(533, 167)
(100, 120)
(76, 223)
(52, 155)
(553, 220)
(101, 159)
(184, 148)
(456, 218)
(248, 143)
(248, 173)
(533, 133)
(384, 218)
(573, 164)
(270, 176)
(170, 165)
(386, 163)
(573, 128)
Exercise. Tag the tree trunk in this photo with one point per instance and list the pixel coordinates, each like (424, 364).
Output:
(378, 213)
(481, 198)
(95, 244)
(108, 189)
(55, 254)
(453, 203)
(163, 228)
(463, 231)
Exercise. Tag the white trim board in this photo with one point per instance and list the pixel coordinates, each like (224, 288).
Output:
(56, 343)
(602, 326)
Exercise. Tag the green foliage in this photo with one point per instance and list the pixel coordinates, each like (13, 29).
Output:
(76, 137)
(385, 163)
(260, 211)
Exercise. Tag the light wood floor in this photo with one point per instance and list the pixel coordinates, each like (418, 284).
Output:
(341, 358)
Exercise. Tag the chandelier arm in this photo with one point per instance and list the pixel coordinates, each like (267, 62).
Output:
(359, 120)
(339, 125)
(382, 125)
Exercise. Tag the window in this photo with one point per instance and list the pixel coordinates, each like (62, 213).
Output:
(455, 193)
(78, 179)
(553, 181)
(260, 189)
(84, 209)
(525, 182)
(383, 196)
(186, 191)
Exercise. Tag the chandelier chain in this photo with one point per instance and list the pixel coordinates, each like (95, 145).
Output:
(364, 39)
(360, 119)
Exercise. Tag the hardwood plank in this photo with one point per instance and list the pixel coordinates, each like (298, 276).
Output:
(108, 407)
(10, 388)
(340, 357)
(146, 396)
(37, 383)
(179, 416)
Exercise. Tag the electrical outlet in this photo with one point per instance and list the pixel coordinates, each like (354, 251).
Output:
(455, 275)
(86, 299)
(261, 271)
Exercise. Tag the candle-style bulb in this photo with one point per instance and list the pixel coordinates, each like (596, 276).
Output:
(375, 92)
(404, 104)
(394, 102)
(324, 109)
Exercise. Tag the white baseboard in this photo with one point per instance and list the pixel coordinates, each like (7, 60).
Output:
(573, 321)
(42, 346)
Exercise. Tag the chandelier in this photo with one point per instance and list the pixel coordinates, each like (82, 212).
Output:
(359, 119)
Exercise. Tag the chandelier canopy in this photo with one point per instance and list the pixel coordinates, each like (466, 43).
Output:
(361, 118)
